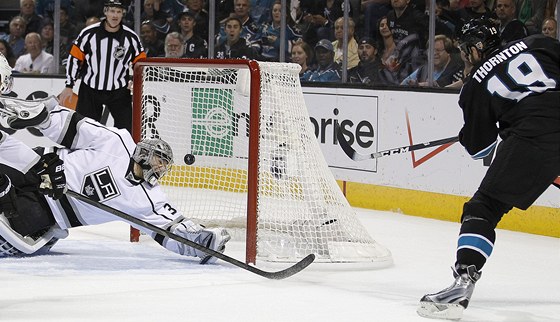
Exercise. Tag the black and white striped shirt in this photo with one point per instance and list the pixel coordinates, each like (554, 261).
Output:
(102, 59)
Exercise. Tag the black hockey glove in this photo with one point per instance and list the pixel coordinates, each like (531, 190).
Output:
(51, 170)
(7, 197)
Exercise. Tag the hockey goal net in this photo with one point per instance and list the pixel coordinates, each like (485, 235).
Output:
(246, 157)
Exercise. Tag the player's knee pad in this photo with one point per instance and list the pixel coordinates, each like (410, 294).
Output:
(484, 207)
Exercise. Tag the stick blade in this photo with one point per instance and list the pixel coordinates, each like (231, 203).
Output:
(346, 147)
(292, 270)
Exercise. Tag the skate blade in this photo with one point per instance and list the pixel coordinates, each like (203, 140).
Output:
(440, 311)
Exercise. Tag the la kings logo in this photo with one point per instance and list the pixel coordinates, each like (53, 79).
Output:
(100, 185)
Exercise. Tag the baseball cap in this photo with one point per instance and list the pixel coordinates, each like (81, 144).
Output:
(187, 13)
(325, 43)
(369, 41)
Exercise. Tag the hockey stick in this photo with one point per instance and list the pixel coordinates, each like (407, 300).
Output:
(354, 155)
(294, 269)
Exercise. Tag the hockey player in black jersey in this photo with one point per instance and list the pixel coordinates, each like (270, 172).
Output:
(512, 92)
(100, 162)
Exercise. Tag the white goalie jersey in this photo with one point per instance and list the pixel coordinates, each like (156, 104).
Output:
(98, 165)
(15, 154)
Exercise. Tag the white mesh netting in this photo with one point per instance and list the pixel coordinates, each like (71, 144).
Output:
(203, 113)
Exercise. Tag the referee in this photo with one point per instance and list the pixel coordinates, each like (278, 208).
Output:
(102, 56)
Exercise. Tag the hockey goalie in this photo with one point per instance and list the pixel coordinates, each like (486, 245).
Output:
(100, 162)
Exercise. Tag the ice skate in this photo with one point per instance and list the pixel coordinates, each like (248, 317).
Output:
(22, 114)
(449, 303)
(216, 240)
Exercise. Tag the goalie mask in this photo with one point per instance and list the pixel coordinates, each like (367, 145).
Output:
(6, 80)
(155, 157)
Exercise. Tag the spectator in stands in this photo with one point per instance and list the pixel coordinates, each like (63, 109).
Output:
(47, 35)
(224, 9)
(373, 11)
(447, 20)
(194, 45)
(45, 8)
(407, 22)
(172, 8)
(352, 53)
(159, 19)
(201, 17)
(327, 70)
(476, 9)
(456, 5)
(303, 26)
(32, 19)
(153, 46)
(174, 45)
(367, 71)
(510, 27)
(68, 30)
(270, 34)
(445, 68)
(461, 74)
(321, 16)
(234, 46)
(84, 9)
(261, 10)
(302, 54)
(549, 28)
(36, 60)
(15, 37)
(531, 13)
(91, 20)
(396, 61)
(250, 30)
(6, 50)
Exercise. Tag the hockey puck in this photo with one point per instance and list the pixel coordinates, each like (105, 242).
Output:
(189, 158)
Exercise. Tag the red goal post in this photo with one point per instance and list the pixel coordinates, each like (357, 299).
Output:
(253, 68)
(246, 158)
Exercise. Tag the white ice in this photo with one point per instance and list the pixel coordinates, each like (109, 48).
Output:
(97, 275)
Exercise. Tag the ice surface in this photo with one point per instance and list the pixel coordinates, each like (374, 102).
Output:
(97, 275)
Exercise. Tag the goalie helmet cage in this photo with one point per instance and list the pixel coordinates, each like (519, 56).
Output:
(245, 156)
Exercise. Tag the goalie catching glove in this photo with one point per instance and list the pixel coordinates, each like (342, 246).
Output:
(51, 171)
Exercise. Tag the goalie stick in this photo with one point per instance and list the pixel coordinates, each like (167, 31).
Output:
(294, 269)
(354, 155)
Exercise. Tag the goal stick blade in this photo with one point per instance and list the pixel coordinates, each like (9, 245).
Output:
(297, 267)
(354, 155)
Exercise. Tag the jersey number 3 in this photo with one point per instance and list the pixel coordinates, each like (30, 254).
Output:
(528, 76)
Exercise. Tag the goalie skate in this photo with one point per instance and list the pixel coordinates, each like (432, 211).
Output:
(22, 114)
(450, 303)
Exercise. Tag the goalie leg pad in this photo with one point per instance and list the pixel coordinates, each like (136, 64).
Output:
(25, 113)
(14, 244)
(32, 213)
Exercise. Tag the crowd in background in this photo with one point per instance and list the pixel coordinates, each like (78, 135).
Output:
(387, 41)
